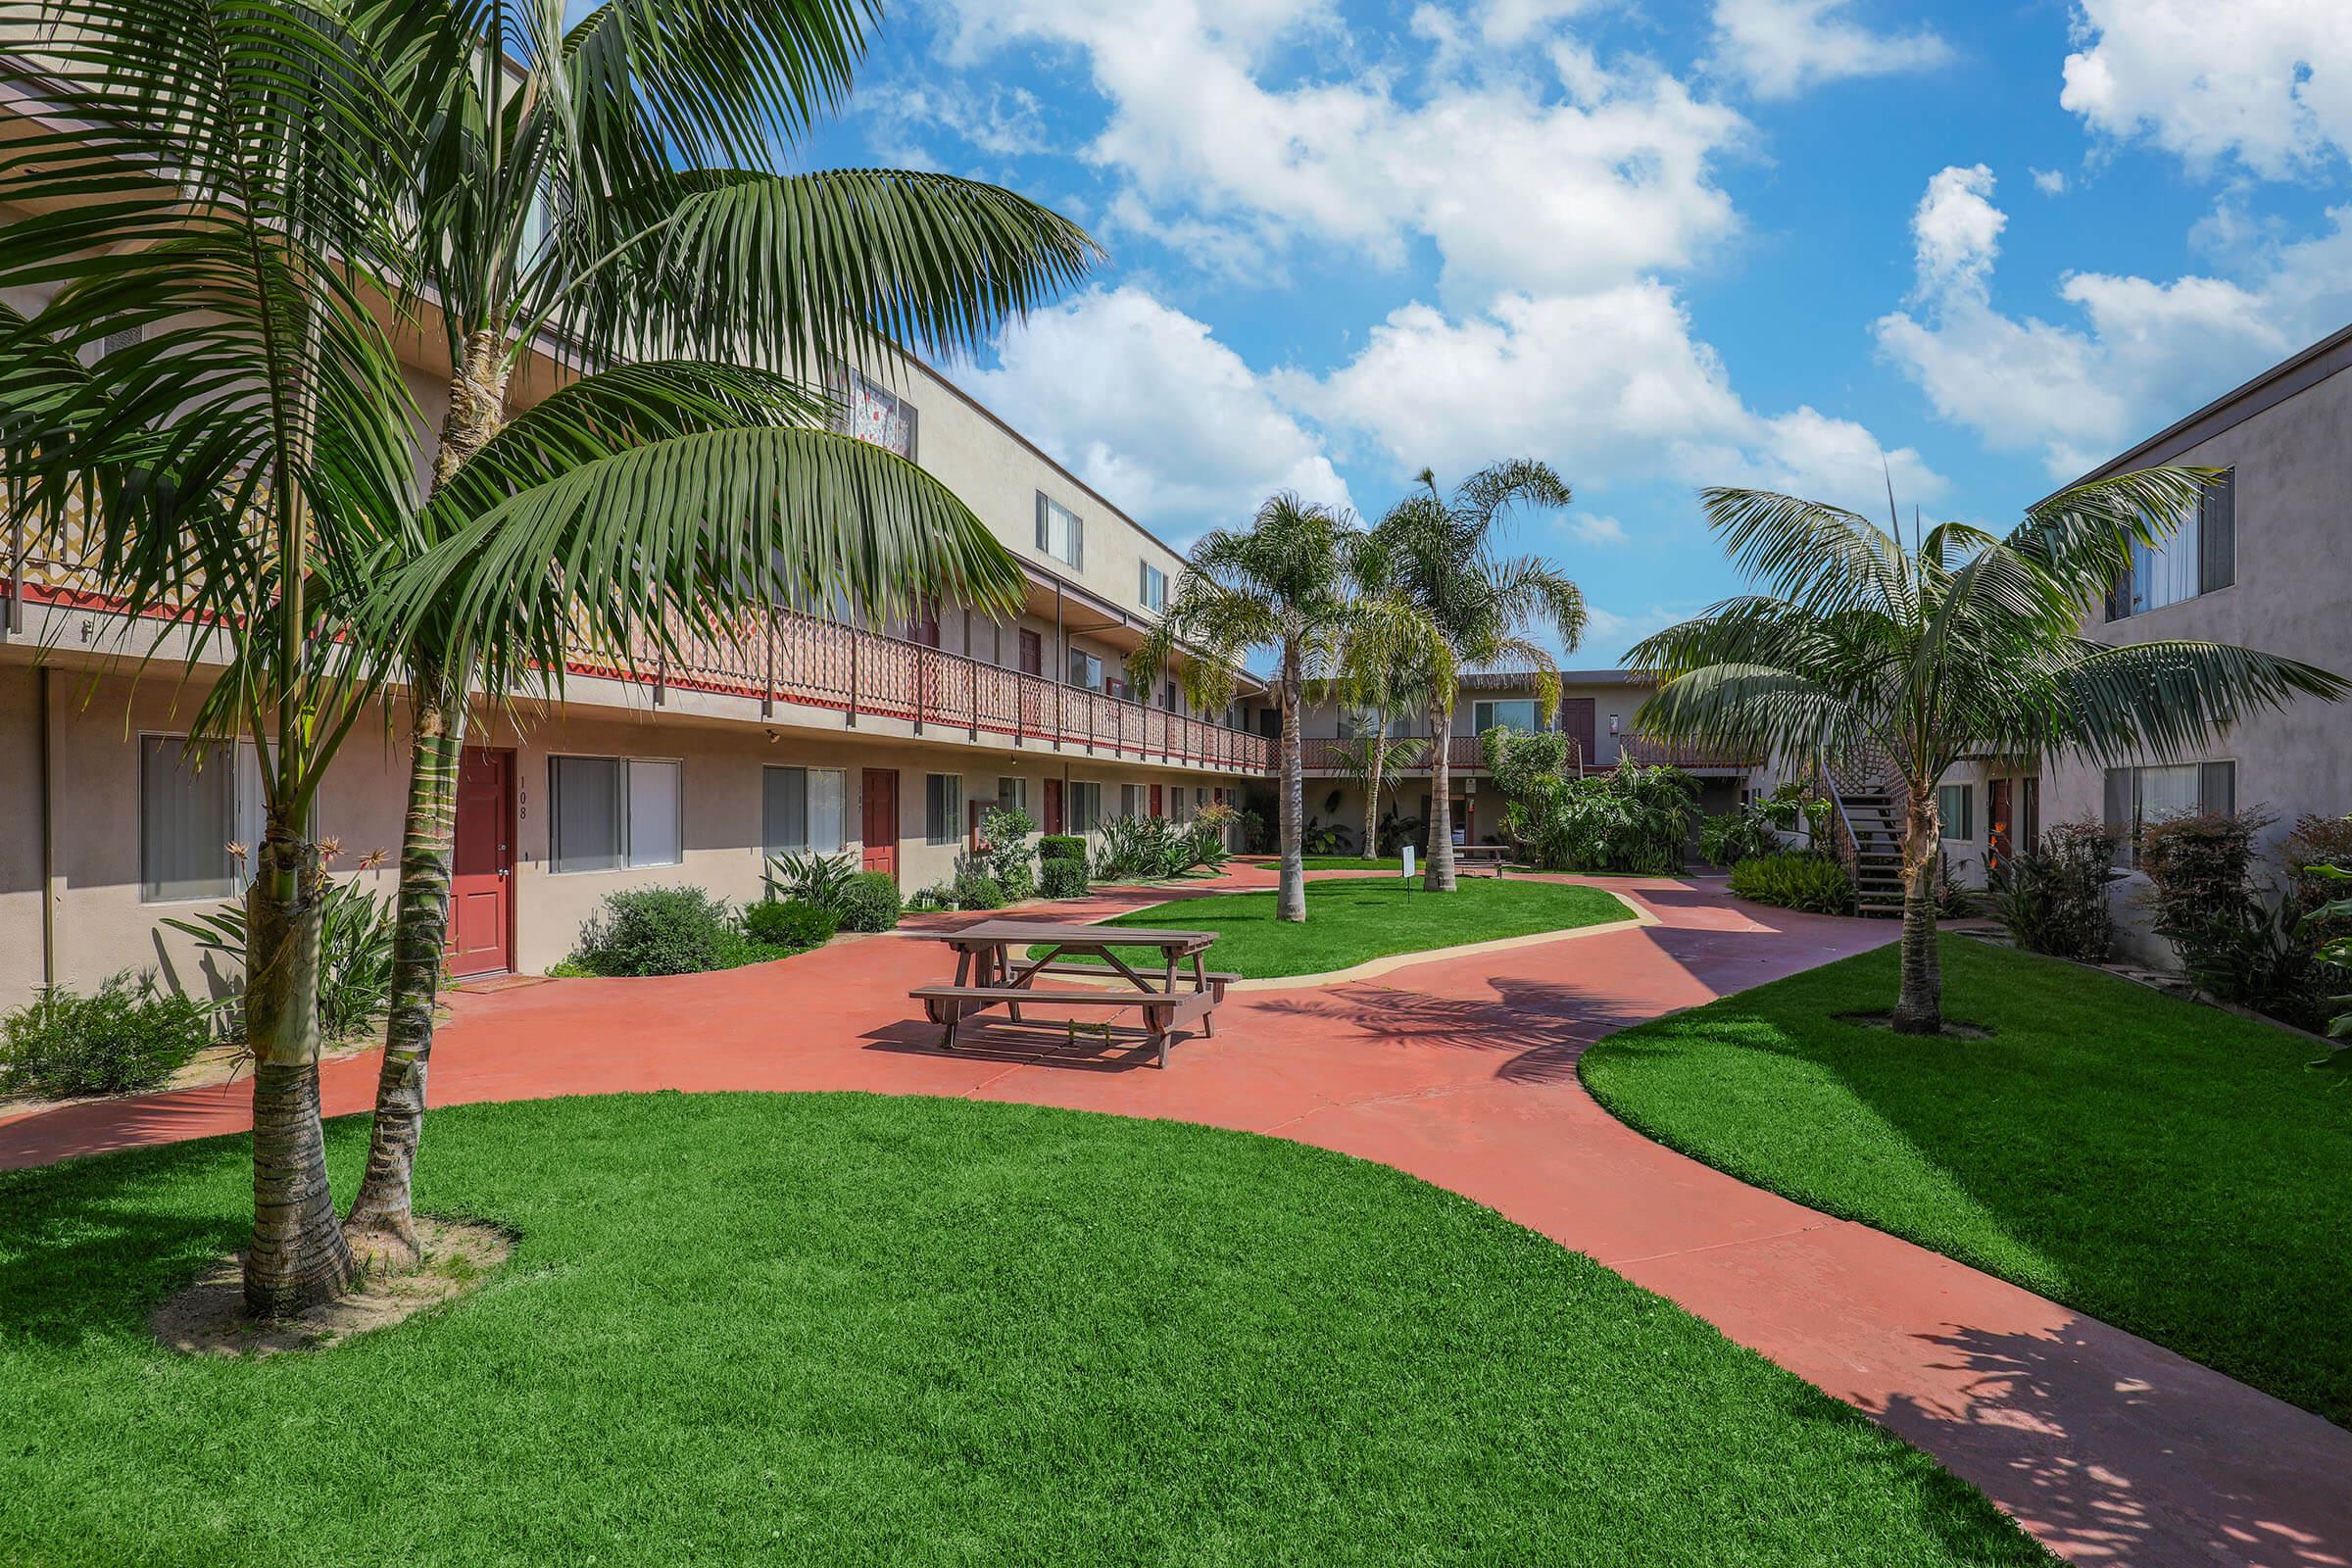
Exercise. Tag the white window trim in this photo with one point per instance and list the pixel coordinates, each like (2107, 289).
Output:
(808, 844)
(955, 811)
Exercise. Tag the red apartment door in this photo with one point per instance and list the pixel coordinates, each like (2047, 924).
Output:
(881, 819)
(1033, 652)
(1999, 827)
(1155, 810)
(1033, 701)
(1053, 806)
(481, 870)
(1576, 718)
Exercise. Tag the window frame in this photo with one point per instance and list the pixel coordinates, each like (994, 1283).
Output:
(1083, 793)
(624, 809)
(1017, 799)
(2208, 542)
(245, 817)
(1151, 577)
(1484, 710)
(807, 845)
(2210, 773)
(1046, 508)
(1966, 793)
(943, 822)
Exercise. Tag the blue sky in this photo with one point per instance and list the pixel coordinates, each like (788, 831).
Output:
(1660, 245)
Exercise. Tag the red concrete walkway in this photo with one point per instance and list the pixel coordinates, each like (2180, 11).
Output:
(1463, 1071)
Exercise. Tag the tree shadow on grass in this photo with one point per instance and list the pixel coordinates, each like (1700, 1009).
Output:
(88, 1247)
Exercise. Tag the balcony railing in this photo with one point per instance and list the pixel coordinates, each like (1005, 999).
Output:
(1321, 755)
(791, 658)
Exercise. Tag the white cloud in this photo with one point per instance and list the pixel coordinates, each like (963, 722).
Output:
(1608, 387)
(1625, 151)
(1956, 230)
(2050, 182)
(1779, 48)
(1144, 404)
(1597, 528)
(1608, 633)
(2139, 353)
(2269, 81)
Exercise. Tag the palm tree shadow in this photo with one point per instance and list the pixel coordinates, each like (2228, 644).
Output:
(2088, 1497)
(1539, 1028)
(88, 1247)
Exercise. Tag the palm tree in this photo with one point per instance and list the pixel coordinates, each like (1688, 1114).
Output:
(1286, 585)
(1370, 759)
(1439, 554)
(548, 202)
(1962, 641)
(241, 443)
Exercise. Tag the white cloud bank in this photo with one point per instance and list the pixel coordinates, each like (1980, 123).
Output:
(2268, 81)
(2139, 354)
(1780, 48)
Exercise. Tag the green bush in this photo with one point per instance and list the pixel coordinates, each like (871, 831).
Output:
(2052, 895)
(977, 890)
(789, 923)
(126, 1037)
(1007, 859)
(1061, 847)
(1812, 883)
(822, 880)
(1062, 879)
(870, 902)
(642, 931)
(1635, 818)
(355, 959)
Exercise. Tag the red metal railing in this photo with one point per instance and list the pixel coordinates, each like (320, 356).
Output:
(791, 658)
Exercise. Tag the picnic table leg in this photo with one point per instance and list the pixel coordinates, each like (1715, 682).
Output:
(947, 1034)
(1208, 1019)
(1159, 1023)
(1005, 978)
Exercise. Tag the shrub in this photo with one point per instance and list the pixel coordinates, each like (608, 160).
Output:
(1006, 856)
(124, 1037)
(2233, 940)
(1734, 836)
(1794, 880)
(1061, 847)
(1062, 879)
(977, 890)
(2200, 868)
(1146, 847)
(789, 923)
(822, 880)
(355, 959)
(1635, 818)
(2052, 895)
(643, 931)
(870, 902)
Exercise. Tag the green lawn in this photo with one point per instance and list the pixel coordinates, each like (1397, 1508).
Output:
(1348, 862)
(1354, 921)
(2167, 1167)
(844, 1329)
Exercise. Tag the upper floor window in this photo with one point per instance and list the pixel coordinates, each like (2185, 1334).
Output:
(1517, 712)
(2201, 557)
(877, 414)
(1155, 589)
(1060, 532)
(1085, 670)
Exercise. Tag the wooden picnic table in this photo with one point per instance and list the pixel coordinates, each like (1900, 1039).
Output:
(990, 973)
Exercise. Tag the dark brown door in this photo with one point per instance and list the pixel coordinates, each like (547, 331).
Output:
(481, 867)
(881, 819)
(1997, 823)
(1576, 717)
(1155, 810)
(1033, 652)
(1053, 806)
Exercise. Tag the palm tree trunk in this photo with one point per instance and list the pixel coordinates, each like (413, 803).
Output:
(1919, 1007)
(382, 1223)
(1289, 903)
(1439, 878)
(1379, 750)
(297, 1256)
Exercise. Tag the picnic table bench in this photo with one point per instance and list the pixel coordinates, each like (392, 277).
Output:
(1472, 856)
(989, 974)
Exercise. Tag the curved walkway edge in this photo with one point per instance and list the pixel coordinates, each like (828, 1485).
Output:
(1462, 1068)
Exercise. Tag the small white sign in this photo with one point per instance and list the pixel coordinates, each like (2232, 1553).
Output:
(1408, 863)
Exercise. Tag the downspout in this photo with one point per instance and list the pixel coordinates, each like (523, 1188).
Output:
(49, 892)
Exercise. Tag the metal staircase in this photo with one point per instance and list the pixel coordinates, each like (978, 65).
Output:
(1868, 832)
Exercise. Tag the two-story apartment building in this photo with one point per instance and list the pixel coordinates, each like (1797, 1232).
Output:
(1597, 708)
(2264, 564)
